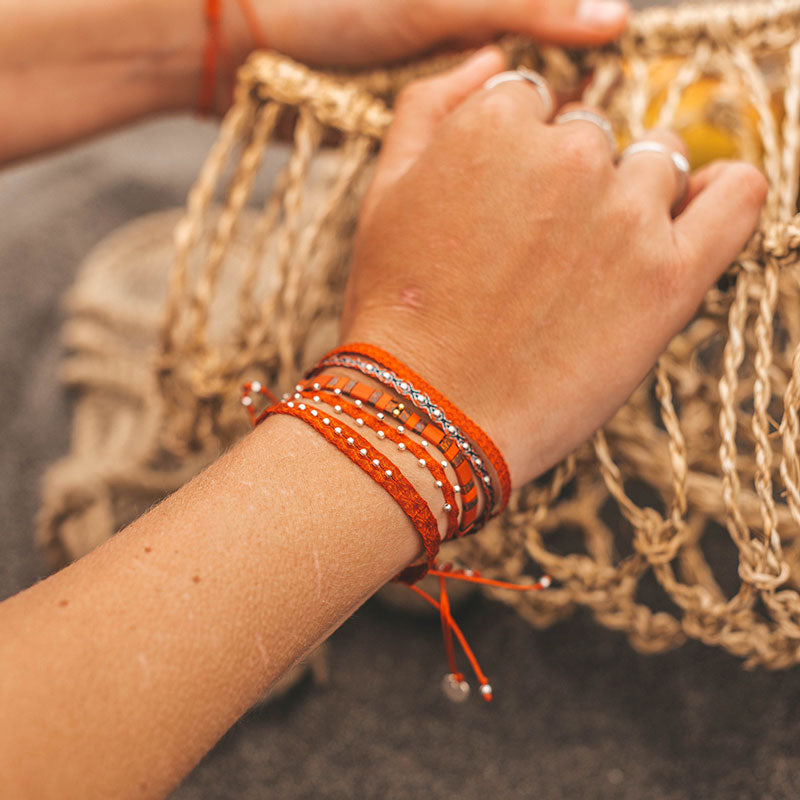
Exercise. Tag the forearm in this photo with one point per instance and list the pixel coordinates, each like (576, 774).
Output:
(68, 70)
(122, 670)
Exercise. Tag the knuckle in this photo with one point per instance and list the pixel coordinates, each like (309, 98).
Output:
(502, 106)
(585, 147)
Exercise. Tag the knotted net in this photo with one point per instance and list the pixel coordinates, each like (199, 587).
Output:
(680, 518)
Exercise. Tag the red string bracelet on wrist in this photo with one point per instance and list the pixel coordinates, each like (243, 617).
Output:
(212, 49)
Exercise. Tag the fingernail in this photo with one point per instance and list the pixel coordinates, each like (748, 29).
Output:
(602, 12)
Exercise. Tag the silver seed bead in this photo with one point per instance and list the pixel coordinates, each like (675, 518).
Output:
(486, 690)
(302, 406)
(401, 446)
(376, 462)
(487, 479)
(422, 462)
(388, 473)
(545, 581)
(456, 488)
(297, 396)
(255, 386)
(387, 375)
(468, 573)
(314, 412)
(478, 462)
(404, 386)
(326, 421)
(316, 386)
(448, 507)
(451, 429)
(350, 440)
(290, 404)
(370, 368)
(381, 435)
(401, 429)
(359, 403)
(445, 463)
(424, 443)
(337, 430)
(437, 413)
(337, 409)
(380, 415)
(247, 401)
(359, 421)
(298, 388)
(439, 484)
(337, 391)
(363, 451)
(316, 398)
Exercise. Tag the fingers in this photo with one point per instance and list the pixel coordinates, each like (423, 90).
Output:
(649, 169)
(722, 212)
(591, 121)
(419, 110)
(577, 22)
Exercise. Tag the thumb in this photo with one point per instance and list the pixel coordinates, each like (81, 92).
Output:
(569, 22)
(419, 109)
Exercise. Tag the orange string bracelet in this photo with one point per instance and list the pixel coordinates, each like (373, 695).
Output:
(379, 468)
(460, 419)
(386, 432)
(441, 430)
(212, 49)
(386, 405)
(385, 473)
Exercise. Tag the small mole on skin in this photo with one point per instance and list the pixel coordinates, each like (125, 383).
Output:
(148, 549)
(63, 603)
(196, 579)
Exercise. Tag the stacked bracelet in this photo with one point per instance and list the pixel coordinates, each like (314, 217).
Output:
(425, 425)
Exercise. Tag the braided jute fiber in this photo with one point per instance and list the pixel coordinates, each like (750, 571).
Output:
(681, 518)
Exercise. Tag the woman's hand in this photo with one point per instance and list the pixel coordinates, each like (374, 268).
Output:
(515, 267)
(369, 31)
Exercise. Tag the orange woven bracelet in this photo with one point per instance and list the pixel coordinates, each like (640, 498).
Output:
(385, 431)
(393, 372)
(381, 470)
(386, 405)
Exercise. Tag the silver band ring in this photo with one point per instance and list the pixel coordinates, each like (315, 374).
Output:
(584, 115)
(525, 74)
(679, 161)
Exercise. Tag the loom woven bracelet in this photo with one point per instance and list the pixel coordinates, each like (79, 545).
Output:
(382, 471)
(386, 405)
(441, 422)
(459, 419)
(386, 432)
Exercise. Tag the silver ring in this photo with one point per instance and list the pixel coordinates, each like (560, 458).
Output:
(679, 161)
(584, 115)
(525, 74)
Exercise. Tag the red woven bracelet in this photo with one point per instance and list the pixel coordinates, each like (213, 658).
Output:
(212, 49)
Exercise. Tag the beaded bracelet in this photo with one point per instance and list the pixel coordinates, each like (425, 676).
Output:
(435, 399)
(381, 470)
(384, 431)
(386, 404)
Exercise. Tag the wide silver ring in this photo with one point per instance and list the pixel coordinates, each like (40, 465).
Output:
(679, 162)
(525, 74)
(585, 115)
